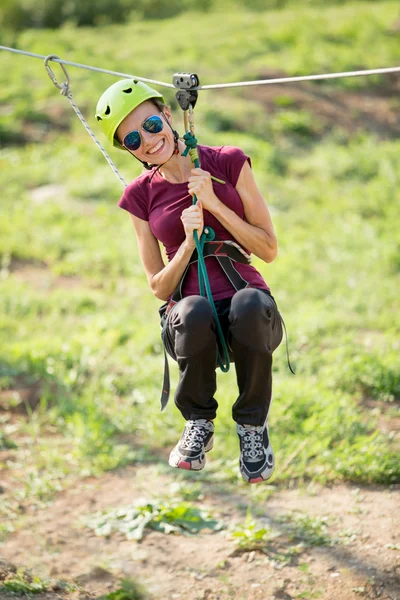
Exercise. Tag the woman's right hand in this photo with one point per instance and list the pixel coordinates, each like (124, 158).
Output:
(192, 219)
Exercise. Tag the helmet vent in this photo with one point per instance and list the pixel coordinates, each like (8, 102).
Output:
(99, 118)
(108, 110)
(127, 91)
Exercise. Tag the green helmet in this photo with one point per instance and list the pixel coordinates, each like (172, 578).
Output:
(118, 101)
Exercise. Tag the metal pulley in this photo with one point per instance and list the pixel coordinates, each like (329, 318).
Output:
(186, 94)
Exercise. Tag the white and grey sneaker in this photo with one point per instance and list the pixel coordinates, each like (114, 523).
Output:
(256, 455)
(197, 438)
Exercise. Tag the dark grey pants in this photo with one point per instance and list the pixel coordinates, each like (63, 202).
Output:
(253, 329)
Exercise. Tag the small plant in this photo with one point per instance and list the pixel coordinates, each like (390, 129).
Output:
(162, 516)
(6, 443)
(23, 582)
(311, 531)
(128, 590)
(251, 536)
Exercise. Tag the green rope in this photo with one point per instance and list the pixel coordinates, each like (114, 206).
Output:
(207, 236)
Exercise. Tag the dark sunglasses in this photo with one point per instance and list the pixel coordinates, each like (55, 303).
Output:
(132, 140)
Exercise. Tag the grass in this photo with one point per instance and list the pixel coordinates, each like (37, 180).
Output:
(18, 582)
(25, 583)
(77, 321)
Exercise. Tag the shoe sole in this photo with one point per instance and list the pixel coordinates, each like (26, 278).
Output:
(263, 476)
(176, 460)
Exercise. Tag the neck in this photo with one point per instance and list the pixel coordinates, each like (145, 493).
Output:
(177, 168)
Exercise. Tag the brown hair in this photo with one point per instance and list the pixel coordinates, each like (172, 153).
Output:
(160, 105)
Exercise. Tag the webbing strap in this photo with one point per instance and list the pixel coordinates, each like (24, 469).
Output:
(166, 383)
(226, 253)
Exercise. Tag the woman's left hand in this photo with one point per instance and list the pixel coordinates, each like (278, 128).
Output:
(200, 184)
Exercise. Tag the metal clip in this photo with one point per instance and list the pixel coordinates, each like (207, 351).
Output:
(64, 87)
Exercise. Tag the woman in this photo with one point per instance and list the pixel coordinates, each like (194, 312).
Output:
(134, 118)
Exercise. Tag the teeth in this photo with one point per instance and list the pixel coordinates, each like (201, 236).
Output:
(156, 147)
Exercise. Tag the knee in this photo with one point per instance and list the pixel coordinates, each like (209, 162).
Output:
(255, 321)
(193, 312)
(249, 305)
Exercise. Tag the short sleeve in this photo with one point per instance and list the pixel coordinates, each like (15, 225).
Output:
(135, 201)
(232, 160)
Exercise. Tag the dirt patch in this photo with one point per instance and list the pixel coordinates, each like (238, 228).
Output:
(23, 397)
(41, 278)
(361, 561)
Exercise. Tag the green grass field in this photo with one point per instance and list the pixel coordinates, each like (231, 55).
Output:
(78, 323)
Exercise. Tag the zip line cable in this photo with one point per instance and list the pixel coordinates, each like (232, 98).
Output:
(89, 68)
(365, 72)
(300, 78)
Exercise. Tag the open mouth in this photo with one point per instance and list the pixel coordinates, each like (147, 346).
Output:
(157, 148)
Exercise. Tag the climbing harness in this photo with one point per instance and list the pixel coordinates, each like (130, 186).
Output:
(226, 253)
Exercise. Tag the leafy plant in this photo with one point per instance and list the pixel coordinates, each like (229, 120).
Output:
(251, 535)
(133, 520)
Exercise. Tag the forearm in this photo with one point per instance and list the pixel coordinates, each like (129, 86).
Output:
(164, 283)
(251, 237)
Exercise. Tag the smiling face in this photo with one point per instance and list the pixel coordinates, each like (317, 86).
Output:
(156, 148)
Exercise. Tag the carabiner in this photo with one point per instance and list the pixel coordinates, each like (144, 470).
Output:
(64, 87)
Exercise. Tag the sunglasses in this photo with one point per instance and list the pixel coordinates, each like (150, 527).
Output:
(133, 139)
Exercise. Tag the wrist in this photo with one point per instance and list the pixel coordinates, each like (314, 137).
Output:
(216, 207)
(189, 244)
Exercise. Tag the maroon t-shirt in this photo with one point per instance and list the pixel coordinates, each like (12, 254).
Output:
(161, 204)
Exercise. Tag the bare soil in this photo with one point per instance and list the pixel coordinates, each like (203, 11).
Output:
(363, 563)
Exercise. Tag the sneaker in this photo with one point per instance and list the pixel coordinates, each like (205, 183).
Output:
(197, 438)
(256, 454)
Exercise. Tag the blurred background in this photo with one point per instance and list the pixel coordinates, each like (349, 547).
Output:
(81, 360)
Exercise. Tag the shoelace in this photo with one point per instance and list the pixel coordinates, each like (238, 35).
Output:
(195, 435)
(253, 443)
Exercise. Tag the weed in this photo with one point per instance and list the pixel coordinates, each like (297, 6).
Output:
(25, 583)
(312, 531)
(6, 443)
(133, 520)
(128, 590)
(251, 535)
